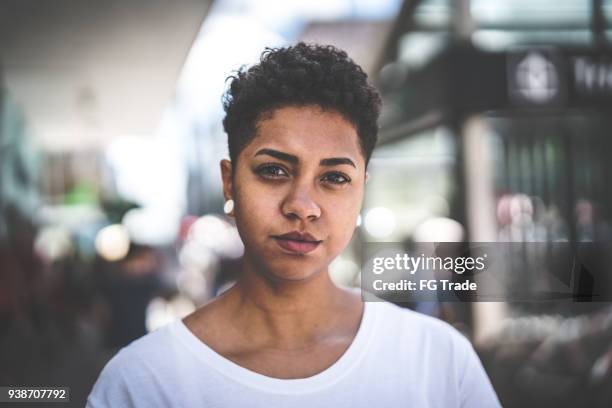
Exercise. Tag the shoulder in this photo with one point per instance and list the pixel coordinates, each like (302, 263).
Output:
(153, 348)
(411, 331)
(393, 316)
(129, 372)
(434, 352)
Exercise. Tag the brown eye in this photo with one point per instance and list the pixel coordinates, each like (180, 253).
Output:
(271, 171)
(336, 178)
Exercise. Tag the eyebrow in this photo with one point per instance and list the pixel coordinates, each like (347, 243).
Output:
(332, 161)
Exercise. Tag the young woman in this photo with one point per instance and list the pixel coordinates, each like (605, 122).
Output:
(301, 126)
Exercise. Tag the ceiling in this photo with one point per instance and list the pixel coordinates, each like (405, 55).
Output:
(84, 72)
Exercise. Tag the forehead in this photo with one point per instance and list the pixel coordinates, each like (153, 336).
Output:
(307, 132)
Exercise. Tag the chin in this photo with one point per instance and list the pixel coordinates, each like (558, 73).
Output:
(293, 271)
(288, 277)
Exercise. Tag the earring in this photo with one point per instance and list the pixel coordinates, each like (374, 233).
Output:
(358, 221)
(228, 207)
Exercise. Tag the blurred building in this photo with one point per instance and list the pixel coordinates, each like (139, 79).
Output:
(73, 77)
(496, 121)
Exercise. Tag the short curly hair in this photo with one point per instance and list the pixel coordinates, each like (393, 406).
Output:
(300, 75)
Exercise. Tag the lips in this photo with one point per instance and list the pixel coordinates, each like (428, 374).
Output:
(297, 242)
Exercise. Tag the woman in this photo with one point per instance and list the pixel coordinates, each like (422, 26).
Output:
(301, 126)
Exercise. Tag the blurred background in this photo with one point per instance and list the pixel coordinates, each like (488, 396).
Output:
(496, 128)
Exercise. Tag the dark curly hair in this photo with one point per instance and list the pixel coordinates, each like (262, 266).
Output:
(300, 75)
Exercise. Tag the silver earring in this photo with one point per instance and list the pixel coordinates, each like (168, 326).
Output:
(358, 221)
(228, 207)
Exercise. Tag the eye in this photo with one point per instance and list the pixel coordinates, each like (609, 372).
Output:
(336, 178)
(271, 171)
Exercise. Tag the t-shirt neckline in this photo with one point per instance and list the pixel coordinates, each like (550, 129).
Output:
(341, 367)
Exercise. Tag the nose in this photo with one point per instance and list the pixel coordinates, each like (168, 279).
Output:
(299, 203)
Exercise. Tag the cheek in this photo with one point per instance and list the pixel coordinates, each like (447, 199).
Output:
(254, 210)
(343, 218)
(345, 223)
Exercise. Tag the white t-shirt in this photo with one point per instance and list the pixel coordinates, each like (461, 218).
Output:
(398, 358)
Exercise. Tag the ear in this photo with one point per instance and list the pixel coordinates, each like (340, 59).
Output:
(226, 175)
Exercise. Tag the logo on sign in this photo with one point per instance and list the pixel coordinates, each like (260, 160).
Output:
(535, 78)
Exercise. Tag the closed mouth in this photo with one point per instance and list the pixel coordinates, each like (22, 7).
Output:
(297, 243)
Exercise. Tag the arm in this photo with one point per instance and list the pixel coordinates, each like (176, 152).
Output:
(111, 389)
(475, 387)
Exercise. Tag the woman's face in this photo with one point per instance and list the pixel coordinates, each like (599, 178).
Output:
(297, 188)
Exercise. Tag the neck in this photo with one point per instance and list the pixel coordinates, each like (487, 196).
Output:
(287, 314)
